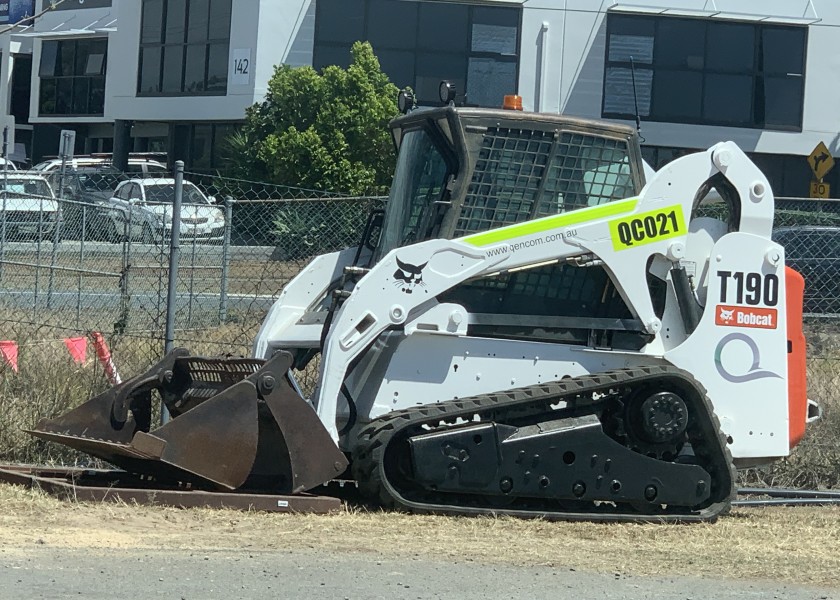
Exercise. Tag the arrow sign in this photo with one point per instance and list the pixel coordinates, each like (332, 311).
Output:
(821, 161)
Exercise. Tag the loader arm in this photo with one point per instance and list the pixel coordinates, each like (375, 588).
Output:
(624, 235)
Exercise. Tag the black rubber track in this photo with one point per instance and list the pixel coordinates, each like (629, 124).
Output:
(376, 449)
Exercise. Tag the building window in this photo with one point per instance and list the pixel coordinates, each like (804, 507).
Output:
(421, 43)
(72, 74)
(203, 146)
(184, 46)
(705, 72)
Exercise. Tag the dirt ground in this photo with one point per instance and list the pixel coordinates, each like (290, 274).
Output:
(775, 545)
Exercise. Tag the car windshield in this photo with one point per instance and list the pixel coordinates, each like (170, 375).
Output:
(25, 187)
(42, 166)
(101, 181)
(164, 193)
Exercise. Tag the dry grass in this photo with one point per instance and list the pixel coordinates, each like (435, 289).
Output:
(49, 385)
(780, 544)
(815, 463)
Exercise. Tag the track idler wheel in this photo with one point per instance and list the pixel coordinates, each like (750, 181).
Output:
(235, 423)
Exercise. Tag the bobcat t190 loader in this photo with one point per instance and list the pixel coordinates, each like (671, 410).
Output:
(529, 329)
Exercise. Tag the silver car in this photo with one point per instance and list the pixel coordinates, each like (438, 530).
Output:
(145, 207)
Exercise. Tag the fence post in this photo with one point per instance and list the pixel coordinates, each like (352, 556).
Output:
(59, 217)
(174, 260)
(81, 265)
(223, 294)
(174, 257)
(59, 213)
(5, 193)
(192, 284)
(125, 278)
(40, 239)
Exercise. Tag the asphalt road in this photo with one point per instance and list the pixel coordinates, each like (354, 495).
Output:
(44, 572)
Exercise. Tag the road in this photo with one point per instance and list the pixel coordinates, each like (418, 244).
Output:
(41, 571)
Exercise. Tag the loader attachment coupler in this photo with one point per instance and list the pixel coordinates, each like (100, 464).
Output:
(235, 422)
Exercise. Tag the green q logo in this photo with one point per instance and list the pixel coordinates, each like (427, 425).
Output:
(755, 371)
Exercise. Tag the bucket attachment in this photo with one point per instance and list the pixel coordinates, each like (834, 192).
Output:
(235, 423)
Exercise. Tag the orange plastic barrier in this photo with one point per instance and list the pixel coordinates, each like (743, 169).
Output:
(797, 384)
(103, 353)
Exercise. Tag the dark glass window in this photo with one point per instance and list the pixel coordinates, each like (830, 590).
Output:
(204, 146)
(150, 70)
(194, 69)
(72, 73)
(173, 60)
(731, 48)
(220, 23)
(383, 16)
(678, 95)
(439, 21)
(199, 21)
(421, 43)
(152, 21)
(705, 72)
(679, 43)
(184, 46)
(340, 21)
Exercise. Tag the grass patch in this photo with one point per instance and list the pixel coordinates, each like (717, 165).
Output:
(779, 544)
(49, 385)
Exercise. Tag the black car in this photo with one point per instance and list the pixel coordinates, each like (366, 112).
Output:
(84, 194)
(814, 251)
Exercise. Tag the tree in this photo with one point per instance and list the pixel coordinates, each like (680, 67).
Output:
(322, 131)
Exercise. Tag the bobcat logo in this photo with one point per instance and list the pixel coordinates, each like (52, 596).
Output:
(726, 315)
(408, 276)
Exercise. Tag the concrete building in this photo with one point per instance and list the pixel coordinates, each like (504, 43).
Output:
(178, 75)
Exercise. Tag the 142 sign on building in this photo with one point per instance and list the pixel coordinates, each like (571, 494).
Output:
(241, 66)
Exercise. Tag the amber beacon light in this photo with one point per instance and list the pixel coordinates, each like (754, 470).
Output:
(512, 102)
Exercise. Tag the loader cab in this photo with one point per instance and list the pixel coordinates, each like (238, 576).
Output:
(466, 170)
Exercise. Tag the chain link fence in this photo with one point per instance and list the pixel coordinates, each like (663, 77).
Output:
(90, 252)
(96, 259)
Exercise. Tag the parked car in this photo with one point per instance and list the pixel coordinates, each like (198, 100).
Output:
(84, 193)
(28, 207)
(144, 207)
(7, 164)
(814, 251)
(137, 166)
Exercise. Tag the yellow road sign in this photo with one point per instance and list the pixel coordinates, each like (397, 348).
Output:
(820, 190)
(820, 161)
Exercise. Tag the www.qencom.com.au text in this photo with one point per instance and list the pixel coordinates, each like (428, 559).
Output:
(546, 239)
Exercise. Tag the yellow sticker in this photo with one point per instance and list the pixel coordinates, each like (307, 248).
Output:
(648, 227)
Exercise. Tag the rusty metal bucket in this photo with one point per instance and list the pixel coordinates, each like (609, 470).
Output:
(236, 423)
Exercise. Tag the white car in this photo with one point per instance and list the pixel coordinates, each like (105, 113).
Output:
(137, 167)
(7, 165)
(28, 207)
(149, 204)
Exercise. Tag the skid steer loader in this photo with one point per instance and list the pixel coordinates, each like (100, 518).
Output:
(530, 328)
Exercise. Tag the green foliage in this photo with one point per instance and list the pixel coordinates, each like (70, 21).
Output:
(321, 131)
(304, 229)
